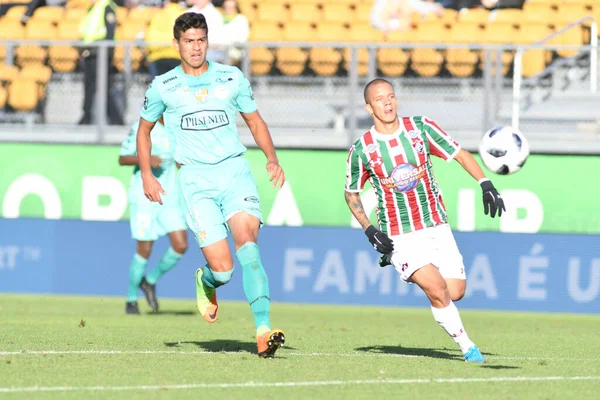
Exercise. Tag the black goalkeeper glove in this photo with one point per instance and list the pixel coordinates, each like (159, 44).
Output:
(492, 201)
(380, 241)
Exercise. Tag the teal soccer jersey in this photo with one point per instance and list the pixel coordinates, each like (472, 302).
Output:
(163, 147)
(215, 181)
(201, 111)
(148, 221)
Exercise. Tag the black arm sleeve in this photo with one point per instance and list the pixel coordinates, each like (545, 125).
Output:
(110, 21)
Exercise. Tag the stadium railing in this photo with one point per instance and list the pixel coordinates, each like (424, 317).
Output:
(484, 95)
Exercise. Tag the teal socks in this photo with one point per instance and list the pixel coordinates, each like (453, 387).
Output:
(214, 279)
(168, 261)
(256, 284)
(136, 273)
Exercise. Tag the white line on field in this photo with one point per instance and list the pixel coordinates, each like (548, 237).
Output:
(294, 384)
(291, 354)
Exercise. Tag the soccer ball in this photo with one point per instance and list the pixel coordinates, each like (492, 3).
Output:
(503, 150)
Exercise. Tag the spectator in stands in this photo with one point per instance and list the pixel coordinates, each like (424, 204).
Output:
(99, 24)
(390, 15)
(214, 20)
(35, 4)
(236, 29)
(163, 59)
(497, 4)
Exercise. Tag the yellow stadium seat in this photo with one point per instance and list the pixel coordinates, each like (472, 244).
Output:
(8, 73)
(10, 29)
(248, 10)
(292, 60)
(394, 61)
(36, 54)
(450, 16)
(346, 2)
(3, 97)
(85, 4)
(52, 14)
(507, 15)
(462, 62)
(129, 31)
(538, 12)
(303, 12)
(272, 11)
(23, 94)
(262, 58)
(535, 60)
(75, 14)
(65, 58)
(325, 61)
(15, 13)
(478, 15)
(337, 12)
(427, 62)
(121, 13)
(361, 33)
(362, 12)
(571, 12)
(498, 33)
(141, 14)
(38, 73)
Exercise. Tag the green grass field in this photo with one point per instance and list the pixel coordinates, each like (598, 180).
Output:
(86, 347)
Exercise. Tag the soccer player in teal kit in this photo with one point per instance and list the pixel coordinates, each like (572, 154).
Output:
(199, 101)
(148, 220)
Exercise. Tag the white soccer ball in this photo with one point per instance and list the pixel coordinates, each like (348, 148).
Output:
(503, 150)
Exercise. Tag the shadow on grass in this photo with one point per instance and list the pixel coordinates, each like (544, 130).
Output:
(499, 366)
(414, 352)
(222, 345)
(173, 312)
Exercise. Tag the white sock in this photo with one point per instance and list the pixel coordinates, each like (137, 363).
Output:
(449, 319)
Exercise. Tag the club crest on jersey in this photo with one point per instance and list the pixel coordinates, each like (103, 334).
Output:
(404, 177)
(371, 148)
(201, 95)
(418, 145)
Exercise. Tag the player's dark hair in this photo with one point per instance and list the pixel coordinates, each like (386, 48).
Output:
(373, 82)
(189, 20)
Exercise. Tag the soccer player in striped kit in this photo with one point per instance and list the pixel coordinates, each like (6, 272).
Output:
(414, 235)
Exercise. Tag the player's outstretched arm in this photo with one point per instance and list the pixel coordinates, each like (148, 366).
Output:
(380, 241)
(470, 164)
(356, 208)
(262, 137)
(492, 201)
(152, 188)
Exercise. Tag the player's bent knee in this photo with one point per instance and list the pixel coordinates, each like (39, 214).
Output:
(221, 278)
(438, 295)
(180, 247)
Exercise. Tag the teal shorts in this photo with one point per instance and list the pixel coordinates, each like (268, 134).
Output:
(212, 194)
(150, 221)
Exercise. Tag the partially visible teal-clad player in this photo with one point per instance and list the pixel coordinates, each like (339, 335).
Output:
(199, 101)
(148, 220)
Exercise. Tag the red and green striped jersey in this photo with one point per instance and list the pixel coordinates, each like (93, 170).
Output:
(398, 166)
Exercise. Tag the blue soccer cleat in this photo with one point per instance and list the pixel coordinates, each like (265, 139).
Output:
(473, 355)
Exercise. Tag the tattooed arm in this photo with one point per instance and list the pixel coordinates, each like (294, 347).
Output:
(356, 207)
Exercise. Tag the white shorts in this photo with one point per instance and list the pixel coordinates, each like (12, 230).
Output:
(436, 245)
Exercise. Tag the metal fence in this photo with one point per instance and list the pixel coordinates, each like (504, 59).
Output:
(316, 111)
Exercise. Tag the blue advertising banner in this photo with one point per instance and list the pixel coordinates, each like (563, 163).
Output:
(525, 272)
